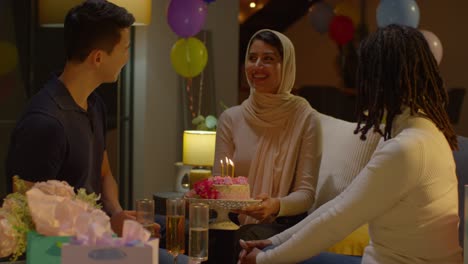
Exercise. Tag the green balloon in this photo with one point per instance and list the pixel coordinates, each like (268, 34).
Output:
(189, 57)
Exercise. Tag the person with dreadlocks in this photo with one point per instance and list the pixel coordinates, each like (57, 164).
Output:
(408, 190)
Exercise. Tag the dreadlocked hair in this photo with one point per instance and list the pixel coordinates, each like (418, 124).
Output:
(396, 69)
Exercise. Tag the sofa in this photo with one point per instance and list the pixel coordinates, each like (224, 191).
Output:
(345, 155)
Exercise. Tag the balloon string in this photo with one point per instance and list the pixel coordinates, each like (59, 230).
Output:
(188, 88)
(200, 91)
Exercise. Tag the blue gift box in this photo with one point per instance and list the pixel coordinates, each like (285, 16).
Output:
(44, 249)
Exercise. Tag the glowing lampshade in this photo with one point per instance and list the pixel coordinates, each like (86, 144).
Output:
(52, 12)
(199, 148)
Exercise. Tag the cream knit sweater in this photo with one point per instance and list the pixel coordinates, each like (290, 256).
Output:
(408, 195)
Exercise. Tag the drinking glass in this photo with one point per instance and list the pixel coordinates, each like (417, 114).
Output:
(198, 232)
(145, 214)
(175, 226)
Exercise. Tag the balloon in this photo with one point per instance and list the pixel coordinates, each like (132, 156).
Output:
(402, 12)
(189, 57)
(186, 17)
(7, 84)
(9, 55)
(345, 8)
(434, 44)
(320, 16)
(341, 29)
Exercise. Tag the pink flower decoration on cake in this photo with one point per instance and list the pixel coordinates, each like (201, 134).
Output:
(240, 180)
(205, 189)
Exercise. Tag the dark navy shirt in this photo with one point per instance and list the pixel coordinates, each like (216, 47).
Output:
(57, 139)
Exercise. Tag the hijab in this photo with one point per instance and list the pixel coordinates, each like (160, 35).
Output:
(281, 117)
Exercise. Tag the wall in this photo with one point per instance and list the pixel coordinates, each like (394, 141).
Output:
(316, 53)
(158, 120)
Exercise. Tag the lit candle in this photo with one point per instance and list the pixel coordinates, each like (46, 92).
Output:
(227, 166)
(232, 165)
(222, 168)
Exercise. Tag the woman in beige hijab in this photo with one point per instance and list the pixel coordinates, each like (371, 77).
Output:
(273, 137)
(408, 192)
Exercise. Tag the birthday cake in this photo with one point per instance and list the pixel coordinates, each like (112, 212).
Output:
(222, 187)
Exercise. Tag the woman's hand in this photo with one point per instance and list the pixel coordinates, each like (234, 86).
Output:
(249, 245)
(250, 250)
(248, 258)
(265, 210)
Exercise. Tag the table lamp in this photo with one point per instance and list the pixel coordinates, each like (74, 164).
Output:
(51, 13)
(199, 151)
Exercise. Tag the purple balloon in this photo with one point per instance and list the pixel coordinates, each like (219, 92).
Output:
(186, 17)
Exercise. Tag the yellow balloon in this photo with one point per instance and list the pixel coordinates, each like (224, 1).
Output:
(189, 57)
(345, 8)
(9, 57)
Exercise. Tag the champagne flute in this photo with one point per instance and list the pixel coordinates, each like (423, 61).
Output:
(145, 214)
(175, 226)
(198, 236)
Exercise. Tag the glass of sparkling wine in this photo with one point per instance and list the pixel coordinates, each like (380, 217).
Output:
(175, 226)
(198, 236)
(145, 214)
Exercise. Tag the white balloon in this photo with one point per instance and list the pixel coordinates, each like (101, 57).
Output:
(434, 44)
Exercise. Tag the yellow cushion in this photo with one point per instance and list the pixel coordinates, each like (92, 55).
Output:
(353, 244)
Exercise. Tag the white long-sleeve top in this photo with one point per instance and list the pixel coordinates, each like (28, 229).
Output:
(408, 195)
(238, 139)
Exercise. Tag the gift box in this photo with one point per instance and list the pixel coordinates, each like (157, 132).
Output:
(82, 254)
(44, 249)
(56, 250)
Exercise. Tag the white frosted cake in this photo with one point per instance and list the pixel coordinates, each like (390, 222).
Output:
(233, 192)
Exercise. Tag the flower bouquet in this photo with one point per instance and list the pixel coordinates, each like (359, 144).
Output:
(16, 214)
(53, 209)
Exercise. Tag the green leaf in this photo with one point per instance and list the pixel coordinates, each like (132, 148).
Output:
(223, 105)
(202, 126)
(197, 120)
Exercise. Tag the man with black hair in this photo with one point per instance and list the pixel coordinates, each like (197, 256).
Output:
(61, 135)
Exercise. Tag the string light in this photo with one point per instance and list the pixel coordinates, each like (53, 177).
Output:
(253, 4)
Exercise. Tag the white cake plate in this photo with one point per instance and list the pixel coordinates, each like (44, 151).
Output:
(222, 208)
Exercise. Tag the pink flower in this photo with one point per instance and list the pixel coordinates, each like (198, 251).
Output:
(228, 181)
(217, 180)
(55, 215)
(54, 187)
(7, 238)
(205, 189)
(241, 180)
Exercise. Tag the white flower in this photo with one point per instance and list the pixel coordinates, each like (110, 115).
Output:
(54, 187)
